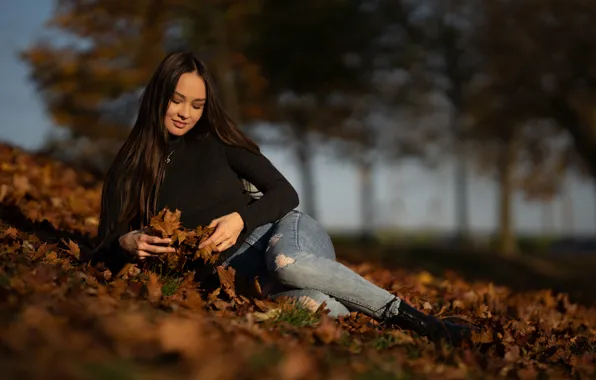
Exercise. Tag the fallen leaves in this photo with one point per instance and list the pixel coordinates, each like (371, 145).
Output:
(167, 224)
(67, 318)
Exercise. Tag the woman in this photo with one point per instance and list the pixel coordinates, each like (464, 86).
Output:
(185, 153)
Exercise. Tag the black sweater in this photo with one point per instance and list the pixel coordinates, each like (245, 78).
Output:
(202, 180)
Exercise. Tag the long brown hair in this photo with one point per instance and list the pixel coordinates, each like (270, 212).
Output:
(129, 195)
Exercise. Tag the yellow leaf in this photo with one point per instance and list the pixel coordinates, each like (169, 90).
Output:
(270, 314)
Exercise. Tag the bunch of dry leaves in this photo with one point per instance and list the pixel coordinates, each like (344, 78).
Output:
(62, 318)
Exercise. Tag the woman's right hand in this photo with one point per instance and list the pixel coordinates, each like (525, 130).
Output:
(140, 245)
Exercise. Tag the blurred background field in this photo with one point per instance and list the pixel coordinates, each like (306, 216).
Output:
(435, 134)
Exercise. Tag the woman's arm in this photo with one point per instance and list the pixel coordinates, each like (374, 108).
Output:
(279, 196)
(118, 245)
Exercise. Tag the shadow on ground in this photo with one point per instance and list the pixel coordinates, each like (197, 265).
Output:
(44, 230)
(573, 273)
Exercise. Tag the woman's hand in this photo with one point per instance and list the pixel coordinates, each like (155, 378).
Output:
(140, 245)
(227, 230)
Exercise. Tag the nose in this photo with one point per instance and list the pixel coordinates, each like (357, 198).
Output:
(184, 112)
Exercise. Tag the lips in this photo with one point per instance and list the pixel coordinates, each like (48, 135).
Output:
(179, 124)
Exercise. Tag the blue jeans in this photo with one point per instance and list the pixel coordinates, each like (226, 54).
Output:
(294, 258)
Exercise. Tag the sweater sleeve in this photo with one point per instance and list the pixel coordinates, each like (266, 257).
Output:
(279, 196)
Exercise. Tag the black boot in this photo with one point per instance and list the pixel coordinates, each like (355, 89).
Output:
(410, 318)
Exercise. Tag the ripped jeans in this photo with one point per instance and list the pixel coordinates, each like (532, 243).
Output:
(294, 257)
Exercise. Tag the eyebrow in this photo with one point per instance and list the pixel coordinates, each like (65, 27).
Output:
(184, 97)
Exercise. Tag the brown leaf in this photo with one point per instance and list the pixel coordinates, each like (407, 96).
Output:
(21, 184)
(482, 311)
(180, 236)
(128, 271)
(483, 336)
(73, 249)
(153, 289)
(3, 191)
(11, 232)
(213, 295)
(256, 290)
(512, 354)
(166, 222)
(297, 365)
(399, 337)
(40, 252)
(181, 335)
(18, 285)
(226, 279)
(328, 330)
(269, 314)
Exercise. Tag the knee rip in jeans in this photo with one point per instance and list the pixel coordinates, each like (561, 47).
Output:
(274, 240)
(282, 261)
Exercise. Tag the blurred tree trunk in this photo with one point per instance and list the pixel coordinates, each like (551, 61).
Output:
(461, 179)
(305, 155)
(567, 214)
(222, 65)
(548, 225)
(458, 71)
(367, 196)
(91, 89)
(506, 170)
(582, 132)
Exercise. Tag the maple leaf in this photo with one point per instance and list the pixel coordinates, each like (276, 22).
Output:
(206, 253)
(42, 250)
(73, 249)
(128, 271)
(166, 222)
(179, 236)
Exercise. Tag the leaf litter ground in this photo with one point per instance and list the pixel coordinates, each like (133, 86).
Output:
(62, 318)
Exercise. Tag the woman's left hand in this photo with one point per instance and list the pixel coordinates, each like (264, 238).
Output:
(227, 230)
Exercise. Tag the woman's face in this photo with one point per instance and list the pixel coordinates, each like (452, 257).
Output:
(186, 105)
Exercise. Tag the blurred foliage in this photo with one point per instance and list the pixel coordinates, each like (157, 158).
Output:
(506, 87)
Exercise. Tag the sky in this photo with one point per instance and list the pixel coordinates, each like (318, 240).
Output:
(406, 195)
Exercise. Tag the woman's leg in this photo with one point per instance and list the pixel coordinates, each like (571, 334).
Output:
(249, 262)
(300, 255)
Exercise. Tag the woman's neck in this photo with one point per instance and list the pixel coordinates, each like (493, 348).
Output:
(174, 141)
